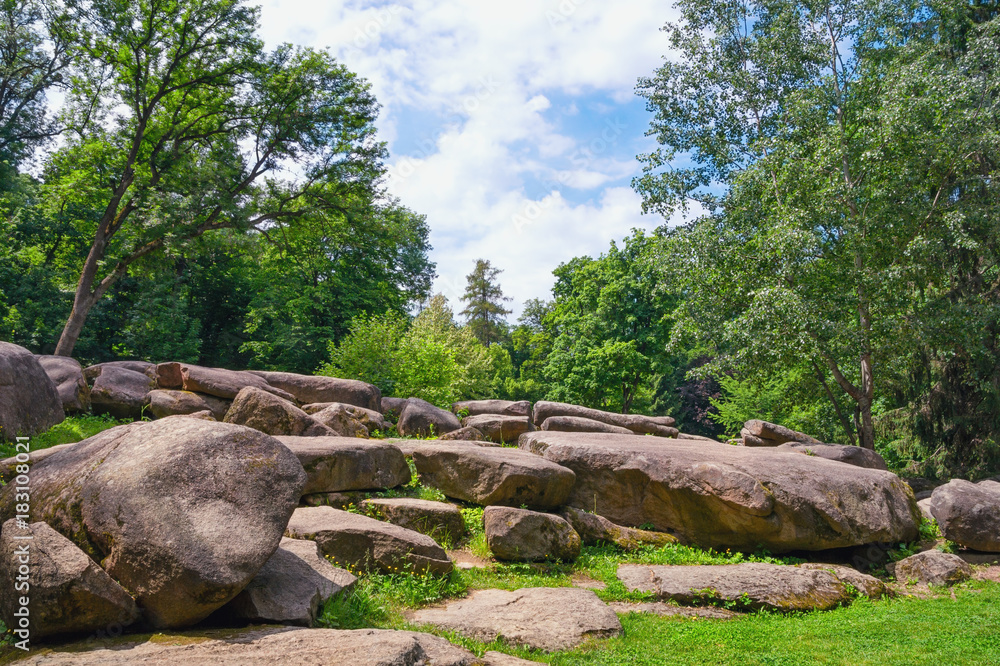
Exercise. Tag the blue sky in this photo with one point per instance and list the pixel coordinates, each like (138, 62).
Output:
(512, 126)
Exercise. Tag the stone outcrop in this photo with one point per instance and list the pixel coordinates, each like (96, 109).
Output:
(545, 618)
(463, 435)
(120, 391)
(90, 373)
(422, 419)
(69, 593)
(181, 512)
(371, 419)
(342, 420)
(67, 374)
(519, 535)
(594, 529)
(752, 586)
(439, 520)
(851, 455)
(264, 645)
(164, 403)
(932, 567)
(498, 428)
(365, 544)
(29, 401)
(969, 513)
(337, 464)
(493, 475)
(290, 587)
(723, 496)
(224, 383)
(309, 389)
(268, 413)
(501, 407)
(661, 426)
(761, 433)
(581, 424)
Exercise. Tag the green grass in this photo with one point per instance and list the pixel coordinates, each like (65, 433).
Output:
(73, 429)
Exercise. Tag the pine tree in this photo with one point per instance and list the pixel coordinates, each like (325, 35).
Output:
(484, 302)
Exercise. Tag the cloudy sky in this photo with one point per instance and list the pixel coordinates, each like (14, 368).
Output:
(513, 126)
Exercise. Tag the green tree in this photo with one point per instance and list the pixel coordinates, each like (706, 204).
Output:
(484, 301)
(182, 125)
(843, 151)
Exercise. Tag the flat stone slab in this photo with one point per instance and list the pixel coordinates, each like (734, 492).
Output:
(750, 586)
(281, 645)
(499, 428)
(721, 496)
(438, 520)
(338, 464)
(670, 610)
(545, 618)
(493, 475)
(363, 543)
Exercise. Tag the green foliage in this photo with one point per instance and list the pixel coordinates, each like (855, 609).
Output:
(430, 358)
(72, 429)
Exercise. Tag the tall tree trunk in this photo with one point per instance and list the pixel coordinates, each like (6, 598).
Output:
(84, 298)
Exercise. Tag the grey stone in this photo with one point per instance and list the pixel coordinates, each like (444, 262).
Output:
(120, 392)
(337, 464)
(441, 521)
(309, 389)
(163, 403)
(502, 407)
(370, 419)
(67, 374)
(581, 424)
(29, 400)
(69, 593)
(360, 543)
(933, 567)
(181, 512)
(422, 419)
(463, 435)
(268, 413)
(594, 529)
(498, 428)
(545, 618)
(772, 434)
(662, 426)
(290, 587)
(341, 420)
(851, 455)
(519, 535)
(224, 383)
(490, 475)
(722, 496)
(969, 513)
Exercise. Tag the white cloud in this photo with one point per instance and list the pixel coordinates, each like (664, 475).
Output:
(490, 73)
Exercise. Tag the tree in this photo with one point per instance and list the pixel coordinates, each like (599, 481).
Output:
(182, 125)
(484, 300)
(36, 46)
(844, 152)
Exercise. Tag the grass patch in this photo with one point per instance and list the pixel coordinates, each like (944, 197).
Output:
(72, 429)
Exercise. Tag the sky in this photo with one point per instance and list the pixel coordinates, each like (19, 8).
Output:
(513, 126)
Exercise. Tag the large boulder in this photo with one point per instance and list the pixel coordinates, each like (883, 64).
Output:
(290, 587)
(441, 521)
(29, 400)
(662, 426)
(261, 410)
(391, 408)
(969, 513)
(594, 529)
(751, 586)
(501, 407)
(67, 374)
(224, 383)
(932, 567)
(361, 543)
(852, 455)
(544, 618)
(761, 433)
(69, 593)
(336, 464)
(121, 392)
(463, 435)
(309, 389)
(499, 428)
(370, 418)
(518, 535)
(181, 512)
(164, 403)
(580, 424)
(723, 496)
(342, 420)
(493, 475)
(263, 645)
(90, 373)
(422, 419)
